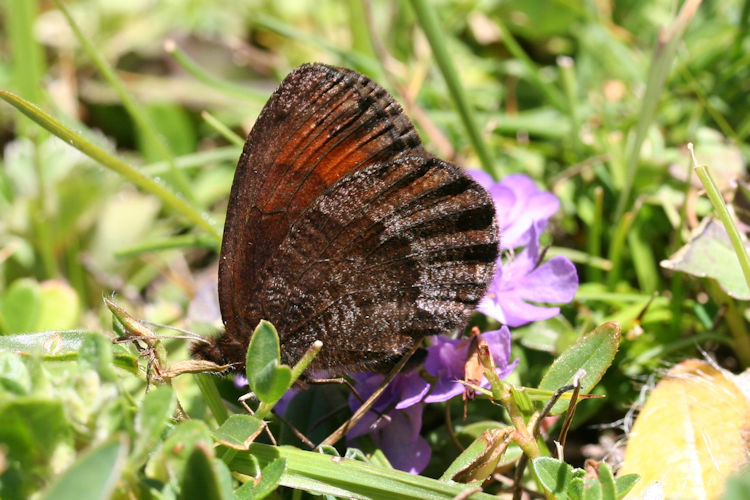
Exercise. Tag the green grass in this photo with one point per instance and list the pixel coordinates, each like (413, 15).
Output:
(595, 101)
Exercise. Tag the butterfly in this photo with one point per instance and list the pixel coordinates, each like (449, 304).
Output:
(340, 227)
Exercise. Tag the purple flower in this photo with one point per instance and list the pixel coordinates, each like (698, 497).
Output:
(395, 420)
(446, 359)
(522, 280)
(519, 205)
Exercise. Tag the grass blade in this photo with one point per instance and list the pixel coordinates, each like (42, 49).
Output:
(429, 23)
(168, 197)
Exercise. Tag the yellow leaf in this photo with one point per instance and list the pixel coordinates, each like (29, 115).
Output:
(691, 434)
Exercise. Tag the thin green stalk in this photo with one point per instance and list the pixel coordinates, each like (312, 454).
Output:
(181, 241)
(722, 212)
(74, 270)
(735, 323)
(643, 260)
(505, 393)
(618, 247)
(661, 63)
(568, 74)
(580, 257)
(27, 70)
(212, 397)
(229, 88)
(264, 409)
(431, 28)
(676, 305)
(678, 237)
(742, 26)
(551, 92)
(617, 297)
(362, 63)
(38, 210)
(27, 59)
(705, 102)
(358, 28)
(193, 160)
(169, 198)
(222, 129)
(594, 234)
(139, 115)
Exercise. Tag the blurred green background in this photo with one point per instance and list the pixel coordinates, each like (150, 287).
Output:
(595, 100)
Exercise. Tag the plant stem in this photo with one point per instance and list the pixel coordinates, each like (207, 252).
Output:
(429, 23)
(168, 197)
(661, 63)
(140, 116)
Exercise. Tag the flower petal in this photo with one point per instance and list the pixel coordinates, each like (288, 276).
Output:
(516, 312)
(481, 177)
(413, 390)
(401, 442)
(554, 281)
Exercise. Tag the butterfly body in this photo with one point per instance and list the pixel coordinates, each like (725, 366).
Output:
(341, 228)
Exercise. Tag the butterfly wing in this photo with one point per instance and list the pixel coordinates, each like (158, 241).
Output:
(327, 140)
(391, 253)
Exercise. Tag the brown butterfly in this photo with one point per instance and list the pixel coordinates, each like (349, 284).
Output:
(342, 228)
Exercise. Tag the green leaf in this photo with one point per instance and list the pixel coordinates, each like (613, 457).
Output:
(200, 477)
(153, 417)
(625, 483)
(575, 490)
(270, 478)
(62, 346)
(168, 462)
(607, 479)
(51, 345)
(554, 475)
(341, 477)
(594, 353)
(268, 378)
(32, 429)
(551, 335)
(309, 411)
(174, 126)
(94, 475)
(709, 254)
(592, 489)
(14, 376)
(21, 305)
(60, 306)
(238, 431)
(225, 480)
(737, 486)
(96, 352)
(211, 396)
(479, 459)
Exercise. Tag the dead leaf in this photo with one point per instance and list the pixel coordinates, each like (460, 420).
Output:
(691, 434)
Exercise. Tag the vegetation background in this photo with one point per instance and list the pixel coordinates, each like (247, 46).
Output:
(595, 100)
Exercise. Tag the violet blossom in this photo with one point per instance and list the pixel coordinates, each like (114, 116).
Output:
(395, 423)
(519, 206)
(522, 213)
(446, 359)
(395, 420)
(523, 279)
